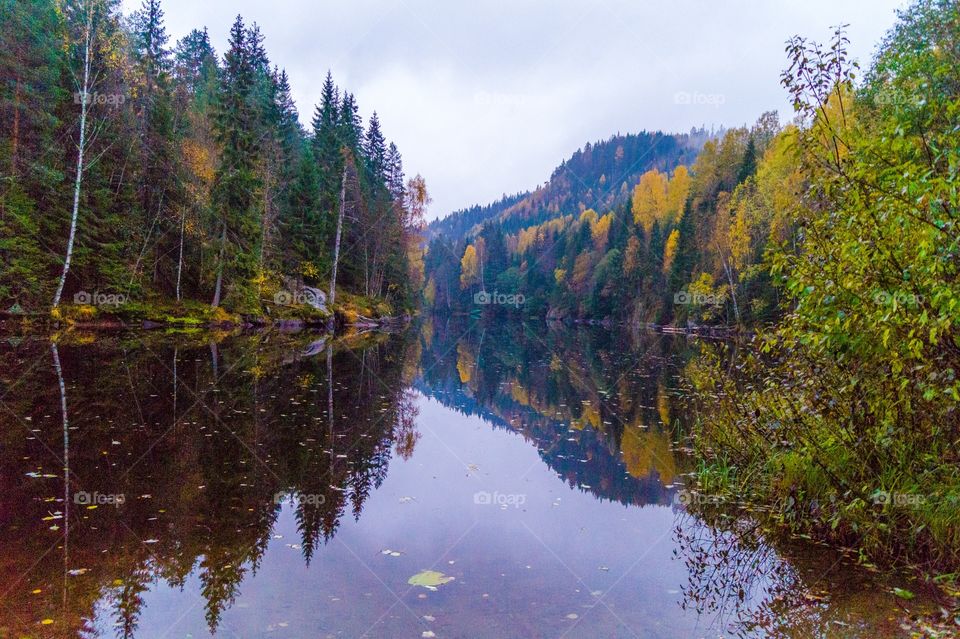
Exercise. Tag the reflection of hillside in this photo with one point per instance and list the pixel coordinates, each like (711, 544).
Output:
(198, 438)
(599, 415)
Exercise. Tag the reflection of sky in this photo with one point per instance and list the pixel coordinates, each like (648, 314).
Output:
(537, 563)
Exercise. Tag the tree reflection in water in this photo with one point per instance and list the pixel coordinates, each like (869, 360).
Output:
(201, 443)
(207, 438)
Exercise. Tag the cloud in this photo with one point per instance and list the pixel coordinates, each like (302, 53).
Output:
(488, 97)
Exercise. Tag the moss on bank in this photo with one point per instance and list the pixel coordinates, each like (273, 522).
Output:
(185, 315)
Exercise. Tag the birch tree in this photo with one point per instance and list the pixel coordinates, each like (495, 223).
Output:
(83, 88)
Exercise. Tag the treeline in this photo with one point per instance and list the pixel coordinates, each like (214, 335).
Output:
(680, 244)
(843, 419)
(150, 170)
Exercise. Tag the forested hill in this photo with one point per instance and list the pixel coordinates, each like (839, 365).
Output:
(139, 170)
(628, 230)
(599, 176)
(462, 222)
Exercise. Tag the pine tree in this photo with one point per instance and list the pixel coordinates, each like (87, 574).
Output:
(375, 149)
(236, 183)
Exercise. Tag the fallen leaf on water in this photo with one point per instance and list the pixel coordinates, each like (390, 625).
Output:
(903, 593)
(47, 622)
(429, 579)
(573, 615)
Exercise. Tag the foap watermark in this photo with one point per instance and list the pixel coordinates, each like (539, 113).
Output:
(308, 499)
(884, 298)
(697, 98)
(308, 296)
(882, 497)
(83, 498)
(688, 497)
(94, 98)
(683, 298)
(503, 299)
(504, 500)
(97, 298)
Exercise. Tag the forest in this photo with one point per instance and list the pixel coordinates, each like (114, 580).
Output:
(137, 171)
(828, 246)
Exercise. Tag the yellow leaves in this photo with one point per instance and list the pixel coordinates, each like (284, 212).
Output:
(200, 159)
(430, 293)
(650, 199)
(465, 363)
(589, 216)
(670, 249)
(469, 267)
(600, 231)
(519, 394)
(644, 451)
(658, 198)
(677, 191)
(559, 275)
(536, 235)
(309, 270)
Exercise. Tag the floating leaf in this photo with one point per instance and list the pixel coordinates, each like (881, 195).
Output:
(903, 593)
(429, 579)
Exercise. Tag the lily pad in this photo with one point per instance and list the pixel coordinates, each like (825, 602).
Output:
(429, 579)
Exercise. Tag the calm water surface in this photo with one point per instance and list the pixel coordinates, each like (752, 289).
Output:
(185, 485)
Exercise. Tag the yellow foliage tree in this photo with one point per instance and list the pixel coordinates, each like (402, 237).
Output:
(650, 199)
(677, 191)
(670, 249)
(469, 267)
(601, 231)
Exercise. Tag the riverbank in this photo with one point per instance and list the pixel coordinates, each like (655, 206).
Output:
(348, 311)
(816, 456)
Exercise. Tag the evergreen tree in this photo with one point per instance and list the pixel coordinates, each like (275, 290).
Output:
(375, 149)
(236, 181)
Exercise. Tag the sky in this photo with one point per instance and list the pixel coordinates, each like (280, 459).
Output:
(486, 97)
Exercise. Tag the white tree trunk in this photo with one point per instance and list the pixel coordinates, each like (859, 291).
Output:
(84, 101)
(183, 221)
(223, 246)
(336, 243)
(732, 283)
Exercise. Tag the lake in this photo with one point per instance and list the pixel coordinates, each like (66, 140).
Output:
(458, 479)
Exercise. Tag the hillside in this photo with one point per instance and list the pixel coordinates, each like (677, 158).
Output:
(600, 175)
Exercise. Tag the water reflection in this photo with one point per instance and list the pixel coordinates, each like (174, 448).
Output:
(600, 411)
(126, 461)
(289, 485)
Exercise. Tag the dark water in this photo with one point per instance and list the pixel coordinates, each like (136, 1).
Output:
(279, 486)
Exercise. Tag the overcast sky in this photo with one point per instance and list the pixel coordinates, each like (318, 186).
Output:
(487, 97)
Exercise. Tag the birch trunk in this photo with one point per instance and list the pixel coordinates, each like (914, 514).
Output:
(223, 246)
(733, 288)
(183, 221)
(336, 244)
(84, 102)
